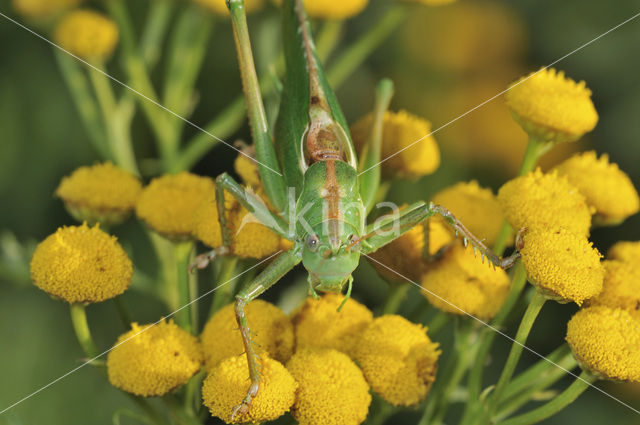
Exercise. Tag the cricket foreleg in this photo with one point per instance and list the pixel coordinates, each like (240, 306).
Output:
(269, 276)
(389, 228)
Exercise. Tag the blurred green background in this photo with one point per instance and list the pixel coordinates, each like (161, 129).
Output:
(444, 61)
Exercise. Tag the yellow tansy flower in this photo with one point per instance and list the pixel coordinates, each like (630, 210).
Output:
(331, 388)
(334, 9)
(220, 6)
(87, 34)
(39, 9)
(430, 2)
(100, 193)
(168, 203)
(551, 107)
(606, 188)
(460, 279)
(398, 359)
(271, 329)
(401, 130)
(228, 383)
(81, 264)
(606, 342)
(544, 201)
(621, 287)
(404, 255)
(247, 169)
(562, 265)
(318, 323)
(252, 239)
(475, 206)
(151, 360)
(625, 251)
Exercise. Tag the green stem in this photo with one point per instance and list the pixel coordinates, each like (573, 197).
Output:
(328, 37)
(396, 295)
(154, 31)
(453, 373)
(222, 296)
(353, 56)
(123, 312)
(536, 303)
(558, 403)
(535, 150)
(81, 328)
(438, 322)
(182, 255)
(192, 393)
(381, 414)
(139, 79)
(475, 375)
(537, 383)
(84, 101)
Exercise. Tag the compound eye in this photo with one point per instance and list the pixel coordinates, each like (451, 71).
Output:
(313, 243)
(354, 243)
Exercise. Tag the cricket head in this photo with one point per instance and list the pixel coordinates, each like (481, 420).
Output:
(330, 254)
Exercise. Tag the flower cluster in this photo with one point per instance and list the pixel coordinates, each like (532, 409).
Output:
(396, 359)
(87, 34)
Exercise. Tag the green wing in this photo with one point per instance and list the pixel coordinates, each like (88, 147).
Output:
(293, 116)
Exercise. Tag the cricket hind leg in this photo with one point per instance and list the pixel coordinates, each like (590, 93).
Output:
(381, 232)
(269, 276)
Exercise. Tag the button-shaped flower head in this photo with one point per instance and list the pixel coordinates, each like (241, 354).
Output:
(271, 331)
(398, 359)
(606, 188)
(551, 107)
(562, 265)
(460, 282)
(168, 203)
(318, 323)
(102, 193)
(404, 255)
(620, 288)
(475, 206)
(220, 6)
(331, 388)
(408, 138)
(228, 382)
(87, 34)
(544, 201)
(606, 342)
(153, 359)
(81, 264)
(43, 9)
(626, 251)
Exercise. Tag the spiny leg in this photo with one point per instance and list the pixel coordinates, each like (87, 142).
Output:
(269, 276)
(390, 228)
(370, 161)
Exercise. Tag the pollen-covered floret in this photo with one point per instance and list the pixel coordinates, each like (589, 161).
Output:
(41, 9)
(544, 201)
(100, 193)
(562, 265)
(475, 206)
(81, 264)
(247, 169)
(401, 130)
(87, 34)
(552, 107)
(168, 203)
(404, 255)
(606, 188)
(621, 287)
(153, 359)
(334, 9)
(220, 6)
(318, 323)
(627, 251)
(398, 359)
(250, 238)
(461, 283)
(331, 388)
(228, 383)
(606, 342)
(271, 331)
